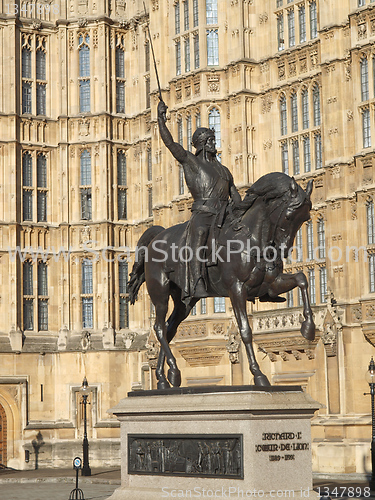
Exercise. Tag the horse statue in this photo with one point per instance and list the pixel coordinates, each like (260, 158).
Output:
(249, 265)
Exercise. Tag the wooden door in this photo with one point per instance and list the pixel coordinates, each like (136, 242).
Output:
(3, 437)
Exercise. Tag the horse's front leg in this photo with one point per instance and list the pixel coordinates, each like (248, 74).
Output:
(238, 298)
(286, 282)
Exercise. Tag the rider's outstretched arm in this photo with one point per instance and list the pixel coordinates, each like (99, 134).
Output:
(174, 147)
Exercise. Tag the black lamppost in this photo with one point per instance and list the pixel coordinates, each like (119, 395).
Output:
(370, 378)
(85, 391)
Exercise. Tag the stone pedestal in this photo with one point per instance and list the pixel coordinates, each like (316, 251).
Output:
(236, 442)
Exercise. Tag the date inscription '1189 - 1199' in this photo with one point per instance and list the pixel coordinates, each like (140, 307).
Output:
(192, 455)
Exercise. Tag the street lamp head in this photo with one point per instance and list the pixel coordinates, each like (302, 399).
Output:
(370, 374)
(85, 386)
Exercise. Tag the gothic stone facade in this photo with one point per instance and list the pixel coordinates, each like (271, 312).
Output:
(287, 86)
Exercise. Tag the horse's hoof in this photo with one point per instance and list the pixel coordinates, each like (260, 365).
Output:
(174, 377)
(261, 380)
(163, 384)
(308, 329)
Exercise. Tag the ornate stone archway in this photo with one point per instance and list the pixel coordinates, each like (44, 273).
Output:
(3, 436)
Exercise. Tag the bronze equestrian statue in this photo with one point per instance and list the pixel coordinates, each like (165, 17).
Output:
(251, 237)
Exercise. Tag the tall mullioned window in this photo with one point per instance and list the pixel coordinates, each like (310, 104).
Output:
(306, 154)
(27, 187)
(33, 73)
(318, 151)
(323, 284)
(283, 116)
(211, 12)
(187, 53)
(370, 222)
(189, 132)
(316, 105)
(366, 128)
(280, 32)
(123, 293)
(371, 262)
(196, 51)
(291, 29)
(214, 122)
(150, 202)
(305, 109)
(310, 240)
(212, 47)
(285, 158)
(321, 239)
(364, 79)
(84, 73)
(120, 74)
(41, 182)
(294, 108)
(121, 185)
(41, 82)
(42, 296)
(87, 294)
(28, 296)
(289, 299)
(296, 165)
(177, 19)
(302, 23)
(85, 185)
(195, 13)
(149, 164)
(298, 245)
(26, 75)
(186, 15)
(147, 56)
(312, 289)
(178, 57)
(313, 20)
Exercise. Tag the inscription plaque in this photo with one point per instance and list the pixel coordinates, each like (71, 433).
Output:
(186, 455)
(281, 445)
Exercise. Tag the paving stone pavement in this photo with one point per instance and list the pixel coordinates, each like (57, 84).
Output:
(53, 491)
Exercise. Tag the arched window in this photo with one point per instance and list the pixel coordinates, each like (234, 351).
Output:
(214, 122)
(283, 116)
(316, 103)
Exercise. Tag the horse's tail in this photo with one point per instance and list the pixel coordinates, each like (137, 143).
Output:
(137, 276)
